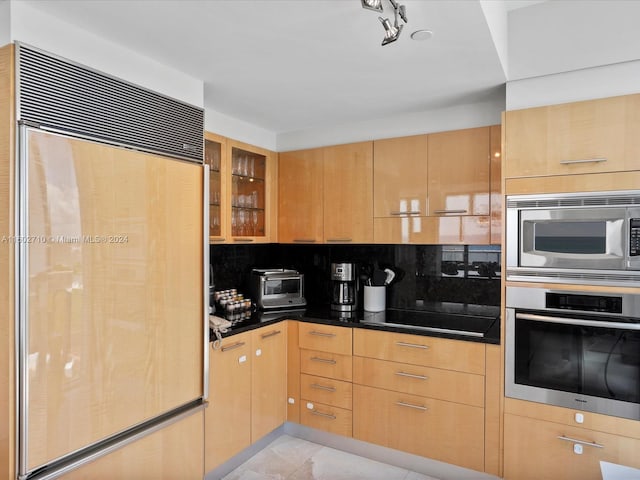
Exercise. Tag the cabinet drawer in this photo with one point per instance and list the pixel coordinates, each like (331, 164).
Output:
(326, 417)
(323, 364)
(445, 431)
(325, 338)
(420, 350)
(448, 385)
(533, 450)
(326, 390)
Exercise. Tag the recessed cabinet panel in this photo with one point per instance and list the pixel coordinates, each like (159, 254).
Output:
(400, 176)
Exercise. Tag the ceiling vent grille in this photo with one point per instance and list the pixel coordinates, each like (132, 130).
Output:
(58, 94)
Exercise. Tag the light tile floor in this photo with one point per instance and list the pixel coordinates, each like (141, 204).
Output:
(290, 458)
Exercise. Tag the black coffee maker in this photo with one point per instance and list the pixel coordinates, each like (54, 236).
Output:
(344, 287)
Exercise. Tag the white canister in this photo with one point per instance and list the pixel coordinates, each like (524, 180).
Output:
(375, 298)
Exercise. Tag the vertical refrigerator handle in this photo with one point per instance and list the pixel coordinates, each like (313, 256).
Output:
(206, 279)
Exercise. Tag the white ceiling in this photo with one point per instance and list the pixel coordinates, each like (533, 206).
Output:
(288, 65)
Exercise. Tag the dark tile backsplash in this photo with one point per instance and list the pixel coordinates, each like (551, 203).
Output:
(430, 273)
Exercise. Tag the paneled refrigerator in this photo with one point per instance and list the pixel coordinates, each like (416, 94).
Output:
(111, 242)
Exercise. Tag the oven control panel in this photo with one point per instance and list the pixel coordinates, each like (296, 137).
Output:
(634, 237)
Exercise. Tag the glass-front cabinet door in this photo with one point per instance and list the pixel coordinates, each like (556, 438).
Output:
(248, 193)
(215, 157)
(242, 191)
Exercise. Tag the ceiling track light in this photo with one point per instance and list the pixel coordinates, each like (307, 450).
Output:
(391, 32)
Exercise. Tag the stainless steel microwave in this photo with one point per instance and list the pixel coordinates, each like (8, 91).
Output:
(588, 238)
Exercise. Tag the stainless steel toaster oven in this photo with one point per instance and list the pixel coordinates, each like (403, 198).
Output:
(277, 288)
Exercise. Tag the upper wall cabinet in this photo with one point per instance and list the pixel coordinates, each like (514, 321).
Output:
(459, 167)
(437, 188)
(348, 193)
(300, 194)
(326, 195)
(242, 185)
(400, 176)
(575, 138)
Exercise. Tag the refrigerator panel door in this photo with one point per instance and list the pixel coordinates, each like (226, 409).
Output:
(115, 291)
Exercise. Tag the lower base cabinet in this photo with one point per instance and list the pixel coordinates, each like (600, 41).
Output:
(247, 391)
(446, 431)
(535, 449)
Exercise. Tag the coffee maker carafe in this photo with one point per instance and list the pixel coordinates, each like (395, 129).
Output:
(344, 287)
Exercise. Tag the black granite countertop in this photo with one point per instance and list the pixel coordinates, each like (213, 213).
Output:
(474, 323)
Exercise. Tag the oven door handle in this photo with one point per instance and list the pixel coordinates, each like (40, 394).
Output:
(582, 323)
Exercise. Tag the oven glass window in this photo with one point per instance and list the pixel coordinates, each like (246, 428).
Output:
(592, 361)
(571, 237)
(279, 287)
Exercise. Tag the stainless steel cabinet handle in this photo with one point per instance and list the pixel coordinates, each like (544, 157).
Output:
(304, 240)
(581, 442)
(410, 212)
(218, 239)
(583, 160)
(579, 322)
(411, 405)
(412, 375)
(323, 360)
(243, 239)
(412, 345)
(233, 346)
(323, 387)
(321, 334)
(325, 415)
(339, 240)
(270, 334)
(442, 212)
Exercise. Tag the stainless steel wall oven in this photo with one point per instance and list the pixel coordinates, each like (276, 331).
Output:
(574, 349)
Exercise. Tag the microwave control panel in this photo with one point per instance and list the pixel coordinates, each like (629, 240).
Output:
(634, 237)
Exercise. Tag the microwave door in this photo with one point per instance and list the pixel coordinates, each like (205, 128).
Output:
(592, 239)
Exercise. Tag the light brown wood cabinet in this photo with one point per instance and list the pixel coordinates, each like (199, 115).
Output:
(400, 177)
(242, 191)
(545, 441)
(247, 397)
(300, 196)
(428, 396)
(333, 200)
(536, 449)
(325, 380)
(440, 188)
(587, 137)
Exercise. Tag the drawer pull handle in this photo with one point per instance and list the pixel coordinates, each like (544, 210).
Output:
(339, 240)
(410, 212)
(321, 334)
(412, 345)
(581, 442)
(243, 239)
(218, 239)
(444, 212)
(323, 360)
(270, 334)
(412, 375)
(304, 240)
(325, 415)
(411, 405)
(233, 346)
(323, 387)
(583, 160)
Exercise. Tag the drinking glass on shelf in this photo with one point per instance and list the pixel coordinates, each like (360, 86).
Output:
(252, 170)
(254, 222)
(234, 223)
